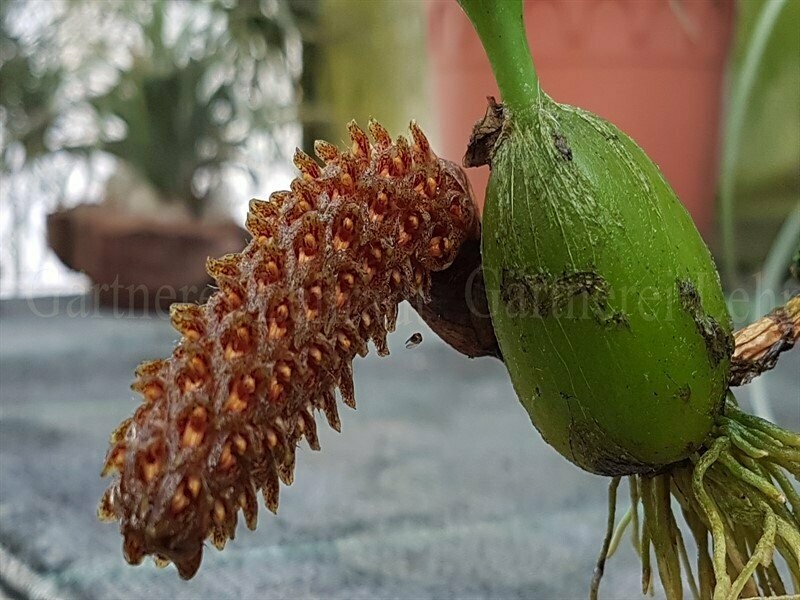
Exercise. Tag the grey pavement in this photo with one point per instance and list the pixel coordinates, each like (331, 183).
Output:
(437, 487)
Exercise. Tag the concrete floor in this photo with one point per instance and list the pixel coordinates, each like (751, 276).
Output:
(438, 486)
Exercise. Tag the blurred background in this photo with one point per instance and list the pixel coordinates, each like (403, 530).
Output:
(133, 133)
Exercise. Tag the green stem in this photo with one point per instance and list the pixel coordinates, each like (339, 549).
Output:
(501, 28)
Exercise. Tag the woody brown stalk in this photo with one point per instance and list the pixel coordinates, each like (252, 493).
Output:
(759, 345)
(327, 266)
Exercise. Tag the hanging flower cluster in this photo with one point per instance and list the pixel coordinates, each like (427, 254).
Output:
(329, 262)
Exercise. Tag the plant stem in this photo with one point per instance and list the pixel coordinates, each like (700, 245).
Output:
(501, 29)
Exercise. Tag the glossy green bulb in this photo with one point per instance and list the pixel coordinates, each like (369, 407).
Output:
(604, 298)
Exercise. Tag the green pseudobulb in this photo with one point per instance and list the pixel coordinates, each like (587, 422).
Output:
(606, 303)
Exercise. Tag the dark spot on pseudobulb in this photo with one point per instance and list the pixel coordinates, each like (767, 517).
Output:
(562, 146)
(684, 393)
(719, 342)
(547, 295)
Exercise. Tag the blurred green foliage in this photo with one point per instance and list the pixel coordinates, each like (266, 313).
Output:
(766, 177)
(372, 63)
(28, 97)
(195, 81)
(771, 135)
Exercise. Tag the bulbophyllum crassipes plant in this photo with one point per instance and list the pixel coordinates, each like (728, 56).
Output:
(576, 218)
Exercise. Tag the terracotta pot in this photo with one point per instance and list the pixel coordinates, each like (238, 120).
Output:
(652, 67)
(137, 262)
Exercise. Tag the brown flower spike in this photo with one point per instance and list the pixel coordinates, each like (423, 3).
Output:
(327, 266)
